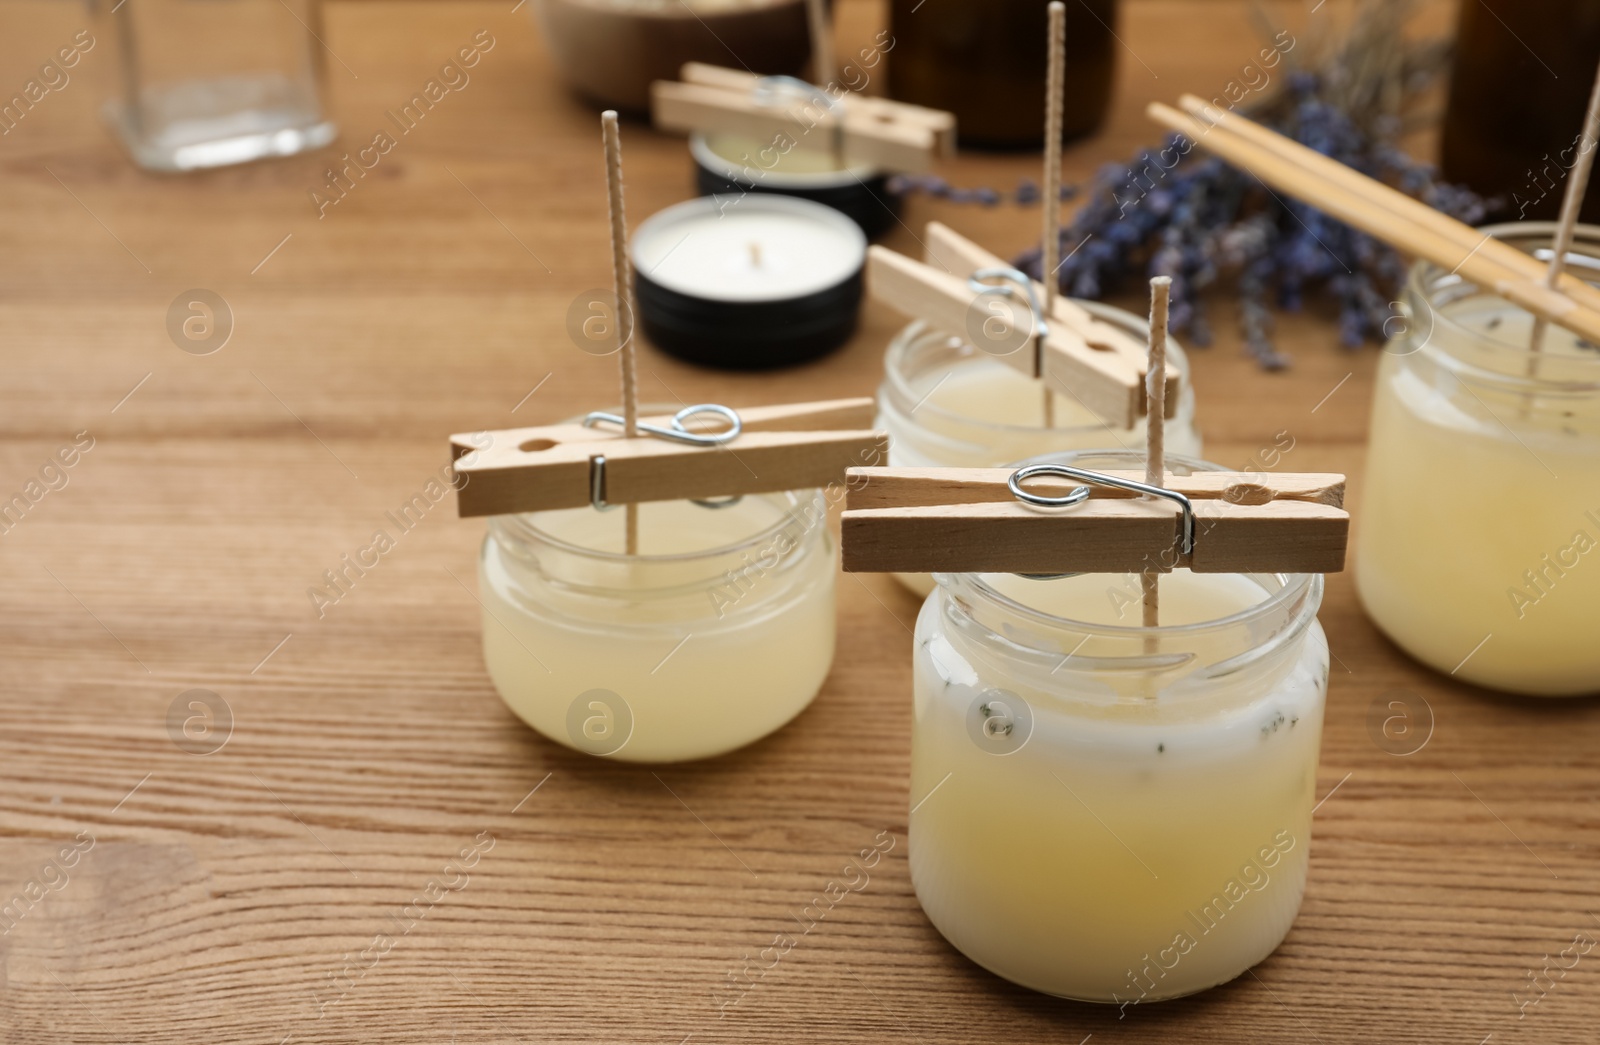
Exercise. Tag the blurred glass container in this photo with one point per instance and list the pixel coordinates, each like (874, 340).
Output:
(1520, 85)
(986, 62)
(610, 51)
(207, 83)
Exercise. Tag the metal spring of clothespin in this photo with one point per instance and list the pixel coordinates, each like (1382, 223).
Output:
(678, 432)
(1012, 283)
(1079, 494)
(770, 92)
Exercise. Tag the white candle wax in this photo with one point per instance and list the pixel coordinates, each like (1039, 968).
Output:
(1480, 508)
(750, 248)
(718, 632)
(1149, 838)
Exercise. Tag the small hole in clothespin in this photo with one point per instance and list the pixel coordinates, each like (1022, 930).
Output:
(1100, 346)
(535, 445)
(1247, 493)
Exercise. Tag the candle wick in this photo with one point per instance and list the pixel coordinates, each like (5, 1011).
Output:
(755, 254)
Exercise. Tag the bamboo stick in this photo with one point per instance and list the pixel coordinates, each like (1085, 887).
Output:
(1354, 208)
(1463, 235)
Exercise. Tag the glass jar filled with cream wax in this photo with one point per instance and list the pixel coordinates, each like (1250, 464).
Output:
(717, 632)
(1104, 811)
(946, 403)
(1481, 503)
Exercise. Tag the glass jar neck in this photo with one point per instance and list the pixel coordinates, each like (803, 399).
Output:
(1101, 663)
(782, 529)
(1483, 340)
(945, 402)
(1243, 628)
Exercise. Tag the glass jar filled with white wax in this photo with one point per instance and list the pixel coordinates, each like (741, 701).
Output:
(1475, 550)
(808, 169)
(946, 403)
(748, 282)
(717, 632)
(1107, 812)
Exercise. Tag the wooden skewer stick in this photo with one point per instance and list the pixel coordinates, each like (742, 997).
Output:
(822, 71)
(1571, 203)
(1155, 460)
(1357, 209)
(1466, 238)
(622, 281)
(1051, 244)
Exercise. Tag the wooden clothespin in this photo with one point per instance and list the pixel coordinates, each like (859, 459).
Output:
(972, 520)
(1081, 357)
(875, 132)
(755, 450)
(1001, 520)
(948, 249)
(759, 450)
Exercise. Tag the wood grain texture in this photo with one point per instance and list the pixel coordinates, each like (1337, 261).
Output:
(223, 892)
(1101, 535)
(905, 487)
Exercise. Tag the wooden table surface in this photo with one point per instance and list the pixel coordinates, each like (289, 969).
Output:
(226, 895)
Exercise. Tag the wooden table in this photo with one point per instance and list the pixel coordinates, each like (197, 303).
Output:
(228, 897)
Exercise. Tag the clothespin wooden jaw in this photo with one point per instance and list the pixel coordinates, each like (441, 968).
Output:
(771, 448)
(875, 132)
(947, 249)
(1082, 358)
(1003, 520)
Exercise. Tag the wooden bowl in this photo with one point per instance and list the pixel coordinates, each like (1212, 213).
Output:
(610, 51)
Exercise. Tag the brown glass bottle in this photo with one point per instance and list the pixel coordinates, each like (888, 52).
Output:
(1523, 73)
(985, 61)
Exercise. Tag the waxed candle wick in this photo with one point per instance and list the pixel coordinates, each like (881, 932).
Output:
(1571, 203)
(1155, 466)
(1051, 245)
(622, 283)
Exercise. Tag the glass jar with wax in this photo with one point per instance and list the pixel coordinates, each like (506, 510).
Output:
(717, 632)
(948, 404)
(1481, 504)
(1105, 811)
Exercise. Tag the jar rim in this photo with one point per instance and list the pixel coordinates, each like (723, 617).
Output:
(1292, 586)
(912, 333)
(521, 527)
(1427, 278)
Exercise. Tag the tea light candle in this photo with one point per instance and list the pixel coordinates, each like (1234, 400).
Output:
(719, 631)
(729, 164)
(1098, 811)
(748, 282)
(946, 403)
(1481, 507)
